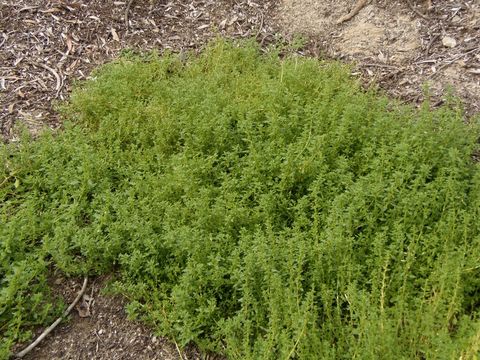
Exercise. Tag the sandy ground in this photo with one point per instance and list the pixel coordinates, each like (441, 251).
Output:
(403, 46)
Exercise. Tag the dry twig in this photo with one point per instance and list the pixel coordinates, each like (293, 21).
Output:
(7, 179)
(178, 350)
(127, 9)
(54, 325)
(434, 38)
(260, 27)
(55, 74)
(451, 61)
(381, 66)
(410, 5)
(356, 9)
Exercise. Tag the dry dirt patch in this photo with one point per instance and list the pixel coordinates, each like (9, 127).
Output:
(98, 328)
(102, 332)
(400, 44)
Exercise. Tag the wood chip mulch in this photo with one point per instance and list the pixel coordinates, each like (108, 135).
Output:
(47, 45)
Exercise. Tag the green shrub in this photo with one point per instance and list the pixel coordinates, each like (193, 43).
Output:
(261, 208)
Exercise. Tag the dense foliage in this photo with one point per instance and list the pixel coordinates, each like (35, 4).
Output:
(261, 208)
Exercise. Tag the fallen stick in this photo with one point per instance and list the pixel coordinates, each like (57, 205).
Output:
(127, 9)
(410, 5)
(356, 9)
(54, 325)
(260, 28)
(55, 74)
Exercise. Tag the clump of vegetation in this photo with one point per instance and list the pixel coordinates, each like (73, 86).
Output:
(258, 207)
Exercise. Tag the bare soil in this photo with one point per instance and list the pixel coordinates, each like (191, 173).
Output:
(45, 46)
(402, 45)
(97, 328)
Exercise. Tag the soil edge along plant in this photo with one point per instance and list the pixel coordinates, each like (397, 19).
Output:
(260, 206)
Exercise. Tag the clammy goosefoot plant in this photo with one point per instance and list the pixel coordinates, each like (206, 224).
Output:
(260, 207)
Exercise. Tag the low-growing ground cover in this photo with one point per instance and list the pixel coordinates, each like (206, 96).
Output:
(261, 208)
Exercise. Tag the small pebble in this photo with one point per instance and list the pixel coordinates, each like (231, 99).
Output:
(449, 42)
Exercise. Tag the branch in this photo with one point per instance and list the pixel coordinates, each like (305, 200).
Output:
(410, 5)
(127, 9)
(54, 325)
(356, 9)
